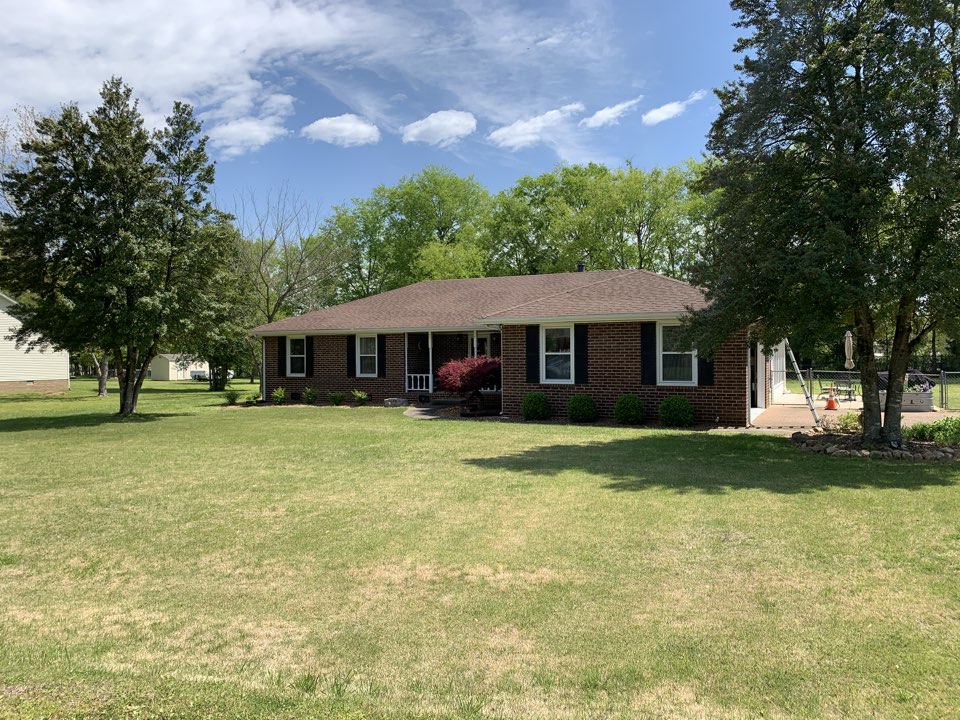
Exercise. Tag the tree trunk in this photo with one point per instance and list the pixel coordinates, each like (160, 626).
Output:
(217, 375)
(103, 372)
(899, 360)
(131, 372)
(872, 429)
(102, 368)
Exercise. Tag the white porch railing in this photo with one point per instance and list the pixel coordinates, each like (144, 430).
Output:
(418, 383)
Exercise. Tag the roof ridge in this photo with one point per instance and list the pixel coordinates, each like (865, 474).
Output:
(620, 273)
(668, 277)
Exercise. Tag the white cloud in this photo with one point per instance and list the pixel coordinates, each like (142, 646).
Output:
(344, 130)
(236, 60)
(671, 109)
(441, 128)
(238, 135)
(610, 115)
(524, 133)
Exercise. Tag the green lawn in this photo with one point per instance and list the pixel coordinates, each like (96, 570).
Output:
(214, 562)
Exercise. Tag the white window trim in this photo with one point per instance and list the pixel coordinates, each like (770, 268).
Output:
(673, 383)
(543, 355)
(376, 358)
(290, 338)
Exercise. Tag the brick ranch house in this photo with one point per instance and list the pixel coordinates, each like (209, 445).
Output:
(601, 333)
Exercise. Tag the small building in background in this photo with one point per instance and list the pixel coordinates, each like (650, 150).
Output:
(34, 371)
(168, 366)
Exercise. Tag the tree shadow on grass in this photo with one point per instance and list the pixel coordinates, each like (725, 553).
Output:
(66, 422)
(717, 464)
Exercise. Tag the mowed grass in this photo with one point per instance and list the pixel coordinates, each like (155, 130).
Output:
(204, 561)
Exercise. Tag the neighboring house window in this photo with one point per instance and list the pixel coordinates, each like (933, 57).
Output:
(556, 365)
(296, 356)
(366, 356)
(677, 363)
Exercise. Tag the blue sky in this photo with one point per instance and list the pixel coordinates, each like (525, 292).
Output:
(334, 98)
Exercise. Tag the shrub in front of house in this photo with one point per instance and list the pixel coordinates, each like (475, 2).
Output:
(676, 412)
(360, 397)
(336, 397)
(534, 406)
(470, 374)
(944, 432)
(232, 396)
(310, 396)
(279, 396)
(629, 410)
(581, 409)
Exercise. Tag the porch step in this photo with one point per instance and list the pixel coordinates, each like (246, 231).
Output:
(446, 401)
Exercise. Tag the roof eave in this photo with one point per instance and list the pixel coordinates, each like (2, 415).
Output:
(371, 331)
(598, 318)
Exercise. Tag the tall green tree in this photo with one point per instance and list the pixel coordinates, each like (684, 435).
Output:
(427, 226)
(103, 233)
(836, 172)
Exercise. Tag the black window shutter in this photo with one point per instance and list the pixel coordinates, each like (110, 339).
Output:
(351, 355)
(704, 371)
(282, 356)
(309, 355)
(533, 353)
(381, 355)
(648, 353)
(581, 374)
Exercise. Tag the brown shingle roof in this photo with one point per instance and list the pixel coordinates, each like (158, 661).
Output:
(475, 302)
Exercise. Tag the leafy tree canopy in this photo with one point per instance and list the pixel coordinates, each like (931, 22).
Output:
(103, 230)
(835, 181)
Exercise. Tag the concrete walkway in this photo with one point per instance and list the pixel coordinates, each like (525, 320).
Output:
(790, 412)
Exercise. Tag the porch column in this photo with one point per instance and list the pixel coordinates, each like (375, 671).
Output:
(406, 338)
(430, 356)
(474, 343)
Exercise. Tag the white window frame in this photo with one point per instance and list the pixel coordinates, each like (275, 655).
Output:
(290, 339)
(376, 359)
(692, 353)
(543, 355)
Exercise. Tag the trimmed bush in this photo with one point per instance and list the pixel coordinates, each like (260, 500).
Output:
(310, 396)
(944, 432)
(581, 409)
(232, 396)
(676, 412)
(360, 397)
(278, 396)
(336, 397)
(534, 406)
(629, 410)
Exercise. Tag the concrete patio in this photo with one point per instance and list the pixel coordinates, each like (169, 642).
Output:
(790, 412)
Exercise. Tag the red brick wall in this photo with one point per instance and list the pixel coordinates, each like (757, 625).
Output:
(330, 370)
(614, 362)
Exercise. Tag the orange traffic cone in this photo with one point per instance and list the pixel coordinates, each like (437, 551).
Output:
(832, 403)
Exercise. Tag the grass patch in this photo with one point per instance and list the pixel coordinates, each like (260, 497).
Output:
(291, 562)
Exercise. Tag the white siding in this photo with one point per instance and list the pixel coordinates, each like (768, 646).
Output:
(163, 369)
(20, 365)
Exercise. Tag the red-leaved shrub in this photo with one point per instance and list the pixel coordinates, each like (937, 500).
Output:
(468, 375)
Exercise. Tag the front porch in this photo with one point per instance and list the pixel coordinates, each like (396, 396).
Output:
(425, 352)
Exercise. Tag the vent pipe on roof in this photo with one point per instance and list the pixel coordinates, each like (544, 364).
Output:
(581, 267)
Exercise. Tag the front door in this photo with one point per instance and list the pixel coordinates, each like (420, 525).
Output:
(483, 344)
(754, 377)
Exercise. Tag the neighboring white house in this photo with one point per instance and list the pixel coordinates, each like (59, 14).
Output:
(176, 367)
(34, 371)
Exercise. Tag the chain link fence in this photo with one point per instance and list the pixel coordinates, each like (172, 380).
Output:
(845, 384)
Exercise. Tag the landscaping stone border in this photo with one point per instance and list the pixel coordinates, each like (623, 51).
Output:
(852, 446)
